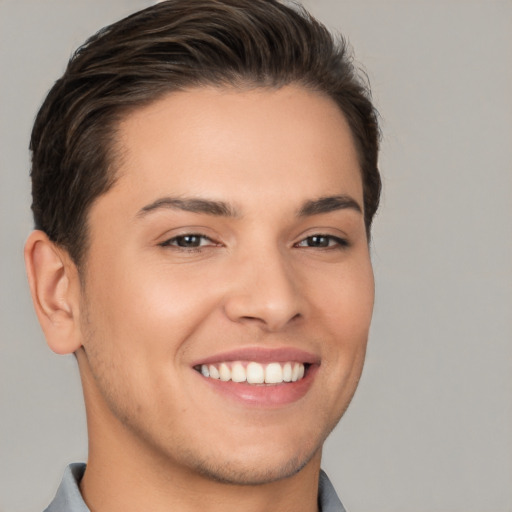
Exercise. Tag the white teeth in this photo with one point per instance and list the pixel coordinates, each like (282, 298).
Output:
(238, 373)
(295, 372)
(287, 372)
(224, 372)
(273, 373)
(214, 373)
(254, 373)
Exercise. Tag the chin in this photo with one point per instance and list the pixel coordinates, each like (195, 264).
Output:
(255, 463)
(251, 472)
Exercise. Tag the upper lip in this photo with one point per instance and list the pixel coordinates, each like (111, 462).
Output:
(261, 355)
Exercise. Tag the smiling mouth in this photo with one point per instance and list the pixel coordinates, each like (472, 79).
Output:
(251, 372)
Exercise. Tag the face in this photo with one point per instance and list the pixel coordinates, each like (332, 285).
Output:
(228, 288)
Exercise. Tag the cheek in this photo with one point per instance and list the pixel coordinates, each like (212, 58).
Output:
(346, 299)
(149, 308)
(346, 312)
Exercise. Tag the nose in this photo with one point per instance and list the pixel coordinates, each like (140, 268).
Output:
(264, 291)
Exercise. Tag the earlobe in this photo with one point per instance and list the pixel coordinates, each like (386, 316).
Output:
(55, 287)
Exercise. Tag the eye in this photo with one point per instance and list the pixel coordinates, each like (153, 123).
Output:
(189, 241)
(320, 241)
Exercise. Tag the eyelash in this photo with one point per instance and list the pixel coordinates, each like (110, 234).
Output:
(339, 243)
(174, 242)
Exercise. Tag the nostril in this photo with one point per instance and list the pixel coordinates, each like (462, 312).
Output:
(271, 322)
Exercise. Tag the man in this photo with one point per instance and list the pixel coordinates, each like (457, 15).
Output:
(204, 182)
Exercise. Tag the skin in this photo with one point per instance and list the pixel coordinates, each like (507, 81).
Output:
(144, 311)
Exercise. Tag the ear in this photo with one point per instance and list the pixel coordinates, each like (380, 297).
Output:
(55, 288)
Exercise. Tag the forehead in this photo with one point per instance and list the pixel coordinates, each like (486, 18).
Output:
(208, 140)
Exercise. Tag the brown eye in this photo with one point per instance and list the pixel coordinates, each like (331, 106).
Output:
(323, 242)
(318, 241)
(188, 241)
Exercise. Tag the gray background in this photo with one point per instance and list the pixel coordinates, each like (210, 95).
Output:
(430, 428)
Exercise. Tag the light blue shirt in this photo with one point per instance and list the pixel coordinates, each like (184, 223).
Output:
(69, 499)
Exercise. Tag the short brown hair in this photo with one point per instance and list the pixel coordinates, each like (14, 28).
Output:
(176, 45)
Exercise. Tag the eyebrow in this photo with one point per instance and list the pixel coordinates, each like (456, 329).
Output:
(221, 209)
(194, 205)
(329, 204)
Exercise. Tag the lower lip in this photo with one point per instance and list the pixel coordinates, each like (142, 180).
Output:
(264, 395)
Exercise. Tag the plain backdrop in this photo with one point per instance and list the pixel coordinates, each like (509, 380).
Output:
(430, 428)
